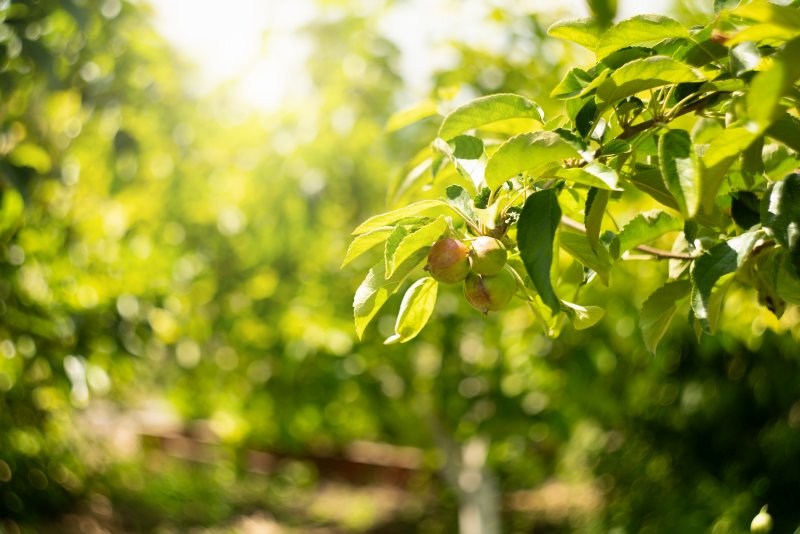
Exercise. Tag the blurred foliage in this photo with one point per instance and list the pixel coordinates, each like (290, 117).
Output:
(158, 246)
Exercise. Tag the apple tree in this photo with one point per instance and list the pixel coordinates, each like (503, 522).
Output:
(700, 124)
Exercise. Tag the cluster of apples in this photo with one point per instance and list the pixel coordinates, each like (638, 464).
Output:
(488, 286)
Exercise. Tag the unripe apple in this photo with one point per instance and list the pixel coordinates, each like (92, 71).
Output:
(488, 255)
(489, 293)
(448, 261)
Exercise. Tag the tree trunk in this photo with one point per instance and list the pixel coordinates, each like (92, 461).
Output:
(479, 498)
(466, 471)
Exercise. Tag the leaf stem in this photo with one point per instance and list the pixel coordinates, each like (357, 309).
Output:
(670, 92)
(679, 105)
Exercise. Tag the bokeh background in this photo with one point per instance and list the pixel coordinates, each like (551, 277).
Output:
(178, 182)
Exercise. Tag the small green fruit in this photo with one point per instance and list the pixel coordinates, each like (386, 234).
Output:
(762, 522)
(489, 293)
(488, 255)
(448, 261)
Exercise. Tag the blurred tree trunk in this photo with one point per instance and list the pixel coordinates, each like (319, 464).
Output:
(466, 472)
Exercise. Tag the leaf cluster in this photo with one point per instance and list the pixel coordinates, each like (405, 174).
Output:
(702, 120)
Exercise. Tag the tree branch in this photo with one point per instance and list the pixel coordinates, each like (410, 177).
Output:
(657, 252)
(642, 126)
(665, 254)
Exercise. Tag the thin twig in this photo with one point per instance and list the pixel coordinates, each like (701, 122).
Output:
(642, 126)
(571, 223)
(666, 254)
(657, 252)
(666, 100)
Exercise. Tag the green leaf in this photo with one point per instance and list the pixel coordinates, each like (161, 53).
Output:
(458, 197)
(744, 57)
(775, 22)
(603, 10)
(702, 50)
(385, 219)
(526, 152)
(651, 182)
(642, 74)
(414, 172)
(770, 85)
(719, 5)
(572, 107)
(439, 151)
(710, 274)
(615, 146)
(617, 59)
(409, 244)
(763, 11)
(596, 202)
(364, 242)
(778, 161)
(489, 216)
(466, 147)
(390, 247)
(647, 227)
(583, 317)
(594, 175)
(584, 120)
(486, 110)
(631, 107)
(572, 84)
(373, 292)
(788, 283)
(555, 122)
(473, 175)
(481, 200)
(550, 322)
(638, 30)
(745, 209)
(31, 155)
(578, 247)
(718, 158)
(659, 309)
(768, 32)
(762, 272)
(752, 166)
(597, 82)
(408, 116)
(581, 145)
(12, 211)
(680, 168)
(725, 84)
(536, 230)
(771, 272)
(415, 310)
(585, 32)
(578, 83)
(786, 130)
(780, 214)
